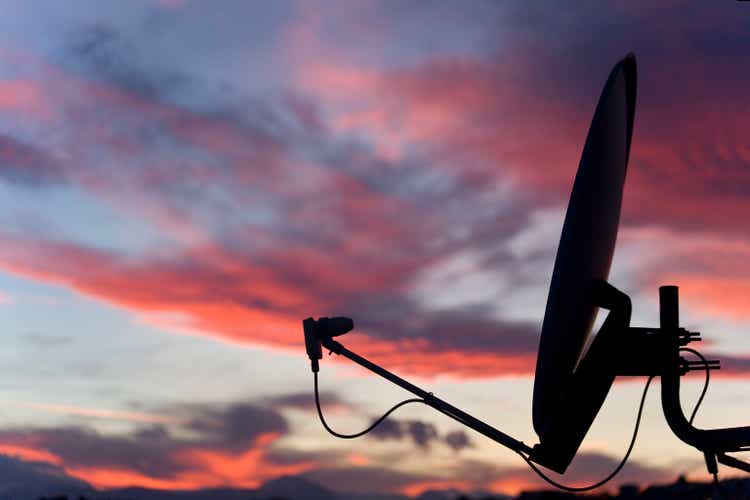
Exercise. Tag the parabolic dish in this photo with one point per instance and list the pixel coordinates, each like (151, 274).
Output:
(587, 242)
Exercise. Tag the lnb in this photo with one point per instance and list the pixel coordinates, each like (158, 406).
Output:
(320, 330)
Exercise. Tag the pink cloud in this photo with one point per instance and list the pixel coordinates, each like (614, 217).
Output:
(24, 97)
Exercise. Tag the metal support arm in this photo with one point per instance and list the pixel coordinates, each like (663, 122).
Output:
(430, 399)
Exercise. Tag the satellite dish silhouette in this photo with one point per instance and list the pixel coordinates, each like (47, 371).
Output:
(586, 247)
(587, 242)
(570, 388)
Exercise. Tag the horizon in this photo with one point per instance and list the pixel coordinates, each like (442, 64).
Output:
(183, 182)
(296, 487)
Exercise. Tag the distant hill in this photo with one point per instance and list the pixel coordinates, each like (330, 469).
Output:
(297, 488)
(29, 480)
(286, 488)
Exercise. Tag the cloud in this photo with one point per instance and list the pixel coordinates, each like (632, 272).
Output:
(283, 281)
(522, 108)
(25, 97)
(238, 445)
(210, 446)
(395, 186)
(458, 440)
(89, 412)
(234, 427)
(276, 265)
(712, 271)
(422, 434)
(182, 455)
(345, 193)
(28, 165)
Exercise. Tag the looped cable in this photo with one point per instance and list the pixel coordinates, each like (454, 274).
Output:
(705, 384)
(368, 429)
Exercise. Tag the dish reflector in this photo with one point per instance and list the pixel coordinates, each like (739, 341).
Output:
(587, 243)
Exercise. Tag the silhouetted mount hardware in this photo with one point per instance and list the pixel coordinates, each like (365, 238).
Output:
(569, 389)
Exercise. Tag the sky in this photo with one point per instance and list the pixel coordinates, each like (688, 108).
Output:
(182, 182)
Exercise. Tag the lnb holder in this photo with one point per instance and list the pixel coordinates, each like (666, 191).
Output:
(320, 331)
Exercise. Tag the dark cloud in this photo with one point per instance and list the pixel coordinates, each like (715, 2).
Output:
(468, 328)
(390, 429)
(234, 428)
(458, 440)
(147, 451)
(156, 451)
(687, 140)
(422, 434)
(28, 165)
(101, 52)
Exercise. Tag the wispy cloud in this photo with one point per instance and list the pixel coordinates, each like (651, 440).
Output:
(95, 413)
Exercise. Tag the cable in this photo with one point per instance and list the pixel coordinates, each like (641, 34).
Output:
(614, 472)
(705, 384)
(524, 457)
(371, 427)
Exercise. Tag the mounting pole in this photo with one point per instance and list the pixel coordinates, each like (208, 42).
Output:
(710, 441)
(669, 308)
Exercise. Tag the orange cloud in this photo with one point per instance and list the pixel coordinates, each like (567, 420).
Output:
(712, 272)
(199, 467)
(248, 469)
(716, 295)
(29, 453)
(417, 488)
(419, 357)
(191, 289)
(358, 459)
(202, 468)
(114, 477)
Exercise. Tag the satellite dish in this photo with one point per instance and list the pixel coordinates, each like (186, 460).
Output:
(569, 389)
(587, 243)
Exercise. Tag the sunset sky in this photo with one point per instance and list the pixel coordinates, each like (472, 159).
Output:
(182, 182)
